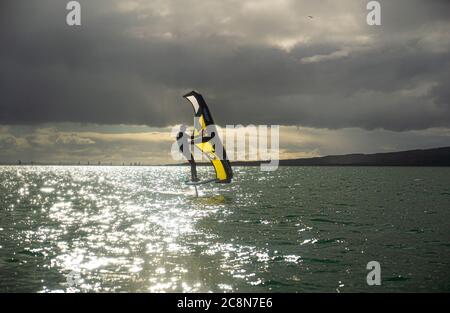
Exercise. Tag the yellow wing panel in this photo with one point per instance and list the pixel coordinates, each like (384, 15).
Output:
(220, 170)
(208, 149)
(202, 122)
(205, 147)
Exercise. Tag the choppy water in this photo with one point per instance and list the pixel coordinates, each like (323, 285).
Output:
(298, 229)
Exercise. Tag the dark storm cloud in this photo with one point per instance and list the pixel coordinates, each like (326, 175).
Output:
(256, 62)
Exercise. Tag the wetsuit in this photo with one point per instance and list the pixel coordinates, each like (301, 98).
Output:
(185, 148)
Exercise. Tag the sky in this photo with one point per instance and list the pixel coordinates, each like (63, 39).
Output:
(110, 90)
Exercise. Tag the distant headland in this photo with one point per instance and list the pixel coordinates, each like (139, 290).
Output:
(419, 157)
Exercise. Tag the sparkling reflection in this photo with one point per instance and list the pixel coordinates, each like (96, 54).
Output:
(128, 229)
(141, 229)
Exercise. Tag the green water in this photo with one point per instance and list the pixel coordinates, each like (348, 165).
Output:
(298, 229)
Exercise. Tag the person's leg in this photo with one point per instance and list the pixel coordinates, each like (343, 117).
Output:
(193, 169)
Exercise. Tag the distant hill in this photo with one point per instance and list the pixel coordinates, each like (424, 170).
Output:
(426, 157)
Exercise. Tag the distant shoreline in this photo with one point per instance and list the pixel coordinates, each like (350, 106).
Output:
(418, 157)
(435, 157)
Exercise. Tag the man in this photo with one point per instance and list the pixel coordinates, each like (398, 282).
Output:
(186, 146)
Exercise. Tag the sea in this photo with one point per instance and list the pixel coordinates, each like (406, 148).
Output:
(296, 229)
